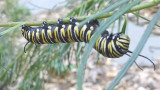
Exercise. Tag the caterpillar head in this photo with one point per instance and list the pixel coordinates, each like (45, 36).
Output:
(122, 43)
(94, 23)
(24, 29)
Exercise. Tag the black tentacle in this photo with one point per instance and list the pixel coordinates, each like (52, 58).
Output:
(135, 62)
(25, 47)
(146, 58)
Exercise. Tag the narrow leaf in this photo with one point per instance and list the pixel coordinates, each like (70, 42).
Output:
(124, 25)
(136, 51)
(10, 29)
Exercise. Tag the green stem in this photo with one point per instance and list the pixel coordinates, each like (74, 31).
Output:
(137, 15)
(135, 8)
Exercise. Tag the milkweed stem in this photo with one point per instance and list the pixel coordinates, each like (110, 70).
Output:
(81, 18)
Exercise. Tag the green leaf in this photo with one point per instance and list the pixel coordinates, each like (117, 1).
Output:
(10, 29)
(124, 25)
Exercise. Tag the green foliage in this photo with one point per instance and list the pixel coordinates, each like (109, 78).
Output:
(14, 11)
(30, 66)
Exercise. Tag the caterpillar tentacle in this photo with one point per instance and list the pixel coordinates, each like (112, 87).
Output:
(135, 62)
(25, 47)
(145, 58)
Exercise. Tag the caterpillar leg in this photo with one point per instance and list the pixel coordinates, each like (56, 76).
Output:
(23, 26)
(25, 47)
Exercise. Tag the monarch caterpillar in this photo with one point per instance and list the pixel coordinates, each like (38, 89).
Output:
(60, 33)
(109, 45)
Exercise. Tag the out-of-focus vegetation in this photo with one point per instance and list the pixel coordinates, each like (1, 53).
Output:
(10, 11)
(46, 64)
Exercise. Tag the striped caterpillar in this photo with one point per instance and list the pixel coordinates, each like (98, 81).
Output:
(109, 45)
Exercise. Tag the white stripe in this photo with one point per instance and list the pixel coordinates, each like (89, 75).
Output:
(83, 33)
(49, 37)
(62, 37)
(71, 33)
(75, 34)
(37, 38)
(45, 36)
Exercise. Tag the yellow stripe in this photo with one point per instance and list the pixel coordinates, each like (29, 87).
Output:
(99, 44)
(89, 35)
(43, 39)
(91, 28)
(120, 44)
(29, 35)
(110, 48)
(81, 32)
(124, 37)
(104, 49)
(116, 53)
(77, 30)
(69, 34)
(122, 40)
(33, 37)
(49, 27)
(96, 45)
(102, 46)
(77, 23)
(63, 32)
(22, 30)
(49, 33)
(125, 47)
(55, 34)
(37, 34)
(63, 26)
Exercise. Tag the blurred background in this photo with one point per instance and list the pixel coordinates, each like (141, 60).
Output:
(54, 67)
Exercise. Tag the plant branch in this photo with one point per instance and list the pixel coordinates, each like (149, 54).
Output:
(137, 15)
(135, 8)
